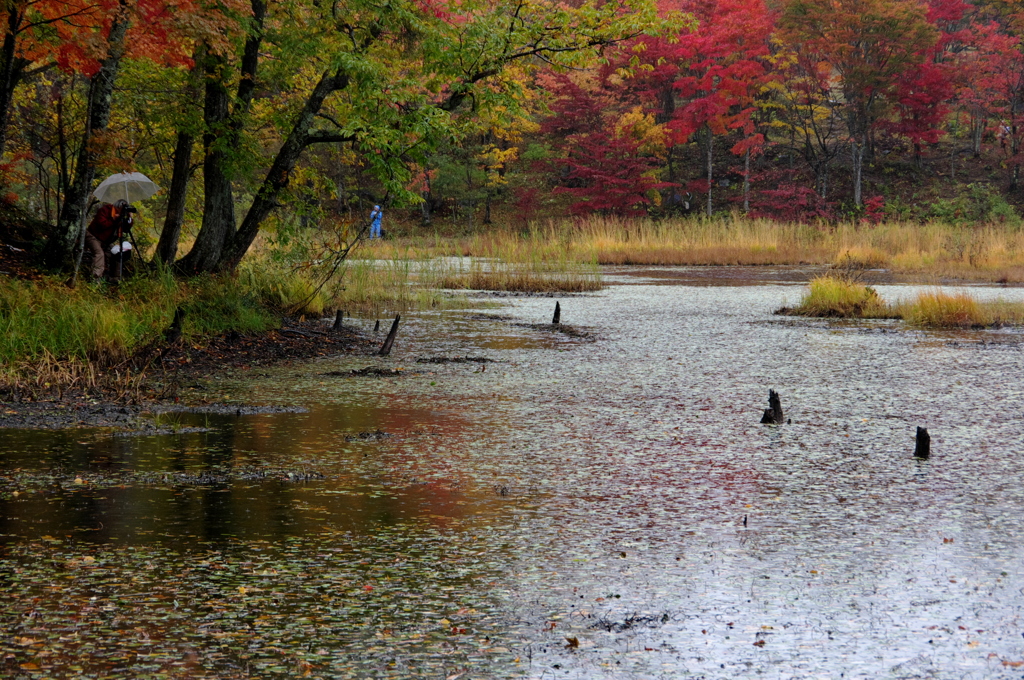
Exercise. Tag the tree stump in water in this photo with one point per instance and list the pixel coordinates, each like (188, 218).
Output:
(386, 347)
(339, 317)
(924, 443)
(557, 318)
(376, 326)
(773, 414)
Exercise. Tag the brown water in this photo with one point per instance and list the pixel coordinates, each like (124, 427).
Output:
(604, 507)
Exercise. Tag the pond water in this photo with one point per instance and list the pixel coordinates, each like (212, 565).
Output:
(600, 504)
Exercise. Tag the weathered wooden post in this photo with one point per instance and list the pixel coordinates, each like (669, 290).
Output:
(773, 414)
(386, 347)
(376, 326)
(173, 332)
(339, 317)
(923, 447)
(557, 319)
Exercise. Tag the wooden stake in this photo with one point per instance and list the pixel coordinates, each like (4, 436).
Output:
(386, 347)
(173, 332)
(376, 326)
(557, 319)
(773, 414)
(924, 443)
(338, 319)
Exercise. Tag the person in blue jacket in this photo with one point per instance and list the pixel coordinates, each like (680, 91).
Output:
(376, 215)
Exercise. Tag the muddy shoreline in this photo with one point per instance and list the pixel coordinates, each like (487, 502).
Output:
(175, 378)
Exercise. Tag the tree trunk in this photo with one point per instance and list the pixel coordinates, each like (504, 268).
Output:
(61, 246)
(977, 130)
(279, 174)
(857, 150)
(167, 248)
(711, 146)
(11, 69)
(1014, 150)
(223, 130)
(746, 182)
(218, 198)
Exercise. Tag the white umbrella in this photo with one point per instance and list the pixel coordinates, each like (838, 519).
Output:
(130, 186)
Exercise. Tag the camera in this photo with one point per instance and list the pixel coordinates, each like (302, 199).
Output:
(131, 209)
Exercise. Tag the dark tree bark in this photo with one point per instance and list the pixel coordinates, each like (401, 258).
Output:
(923, 444)
(277, 178)
(223, 129)
(773, 414)
(386, 347)
(12, 67)
(61, 246)
(167, 247)
(218, 198)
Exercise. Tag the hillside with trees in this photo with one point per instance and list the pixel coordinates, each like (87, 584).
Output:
(260, 117)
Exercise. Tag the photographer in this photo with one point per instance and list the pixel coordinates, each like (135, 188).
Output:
(103, 238)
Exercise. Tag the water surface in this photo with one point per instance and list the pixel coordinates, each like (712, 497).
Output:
(583, 507)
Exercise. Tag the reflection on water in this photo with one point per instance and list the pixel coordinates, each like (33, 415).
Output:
(578, 509)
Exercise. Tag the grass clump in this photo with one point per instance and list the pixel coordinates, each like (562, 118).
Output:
(936, 309)
(831, 296)
(839, 297)
(532, 261)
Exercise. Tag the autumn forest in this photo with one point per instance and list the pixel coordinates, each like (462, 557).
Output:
(259, 115)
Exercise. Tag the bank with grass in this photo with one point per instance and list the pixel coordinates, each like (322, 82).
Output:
(54, 336)
(931, 250)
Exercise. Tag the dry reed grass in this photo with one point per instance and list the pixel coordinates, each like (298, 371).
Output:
(536, 261)
(844, 298)
(936, 309)
(932, 250)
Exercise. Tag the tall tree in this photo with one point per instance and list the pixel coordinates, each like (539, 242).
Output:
(608, 162)
(393, 80)
(146, 29)
(64, 241)
(867, 44)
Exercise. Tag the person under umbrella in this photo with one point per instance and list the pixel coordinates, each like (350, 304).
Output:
(113, 220)
(104, 236)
